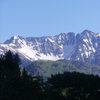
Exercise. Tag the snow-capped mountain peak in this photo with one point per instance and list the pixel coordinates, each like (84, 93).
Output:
(17, 41)
(71, 46)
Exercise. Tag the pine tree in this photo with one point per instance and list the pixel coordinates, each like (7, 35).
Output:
(10, 76)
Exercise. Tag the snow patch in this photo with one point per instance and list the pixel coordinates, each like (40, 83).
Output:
(51, 40)
(28, 52)
(16, 37)
(48, 57)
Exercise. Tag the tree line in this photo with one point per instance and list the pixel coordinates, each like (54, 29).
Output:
(18, 84)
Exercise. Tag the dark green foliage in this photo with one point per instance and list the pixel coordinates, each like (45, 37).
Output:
(18, 84)
(31, 87)
(10, 74)
(75, 86)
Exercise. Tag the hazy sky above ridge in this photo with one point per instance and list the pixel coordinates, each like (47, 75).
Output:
(47, 17)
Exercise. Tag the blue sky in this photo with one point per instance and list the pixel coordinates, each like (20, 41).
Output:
(47, 17)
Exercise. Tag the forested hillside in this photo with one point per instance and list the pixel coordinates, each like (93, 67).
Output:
(48, 68)
(18, 84)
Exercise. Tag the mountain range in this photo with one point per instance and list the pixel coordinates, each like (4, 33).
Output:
(84, 47)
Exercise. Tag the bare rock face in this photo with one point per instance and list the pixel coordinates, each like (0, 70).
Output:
(83, 47)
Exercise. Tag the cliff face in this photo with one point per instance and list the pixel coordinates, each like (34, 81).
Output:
(83, 47)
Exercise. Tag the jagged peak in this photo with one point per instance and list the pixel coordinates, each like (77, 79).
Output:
(62, 34)
(88, 33)
(14, 39)
(85, 32)
(71, 34)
